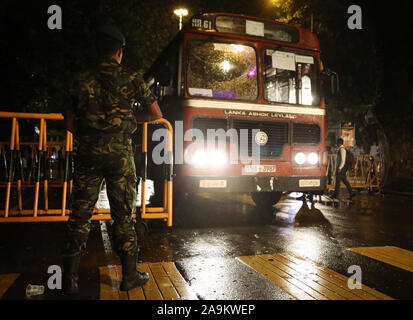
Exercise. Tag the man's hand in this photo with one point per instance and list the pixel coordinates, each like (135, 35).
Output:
(153, 113)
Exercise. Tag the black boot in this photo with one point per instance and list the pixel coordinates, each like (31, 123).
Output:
(71, 274)
(131, 278)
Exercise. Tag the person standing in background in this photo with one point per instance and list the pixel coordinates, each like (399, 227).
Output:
(341, 170)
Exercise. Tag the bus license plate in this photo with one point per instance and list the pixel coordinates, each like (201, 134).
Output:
(254, 168)
(213, 183)
(309, 183)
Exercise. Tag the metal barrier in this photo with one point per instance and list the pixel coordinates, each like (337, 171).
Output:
(16, 178)
(164, 212)
(365, 175)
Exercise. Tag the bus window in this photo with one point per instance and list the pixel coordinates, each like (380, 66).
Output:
(222, 70)
(291, 78)
(269, 30)
(162, 77)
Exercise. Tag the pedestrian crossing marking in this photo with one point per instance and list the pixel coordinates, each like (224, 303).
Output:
(394, 256)
(109, 282)
(307, 280)
(6, 280)
(165, 283)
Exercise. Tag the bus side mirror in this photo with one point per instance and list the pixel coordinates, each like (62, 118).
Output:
(330, 83)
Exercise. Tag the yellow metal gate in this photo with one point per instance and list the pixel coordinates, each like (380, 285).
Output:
(37, 181)
(365, 175)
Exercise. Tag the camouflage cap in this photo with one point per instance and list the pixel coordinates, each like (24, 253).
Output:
(114, 33)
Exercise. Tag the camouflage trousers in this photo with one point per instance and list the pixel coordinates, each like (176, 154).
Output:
(110, 159)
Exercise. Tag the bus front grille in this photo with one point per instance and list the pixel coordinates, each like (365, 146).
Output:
(276, 133)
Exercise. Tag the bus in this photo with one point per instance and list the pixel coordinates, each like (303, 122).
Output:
(241, 73)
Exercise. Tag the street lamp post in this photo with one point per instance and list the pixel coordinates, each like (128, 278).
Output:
(181, 13)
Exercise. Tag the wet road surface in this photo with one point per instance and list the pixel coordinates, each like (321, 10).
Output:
(204, 253)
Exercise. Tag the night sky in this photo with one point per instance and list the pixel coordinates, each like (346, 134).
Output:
(32, 54)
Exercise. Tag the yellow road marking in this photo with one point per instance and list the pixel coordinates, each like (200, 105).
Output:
(165, 283)
(280, 281)
(365, 293)
(321, 277)
(179, 283)
(6, 280)
(394, 256)
(150, 289)
(306, 280)
(108, 283)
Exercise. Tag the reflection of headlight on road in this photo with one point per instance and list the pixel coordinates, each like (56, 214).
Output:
(201, 158)
(300, 158)
(312, 158)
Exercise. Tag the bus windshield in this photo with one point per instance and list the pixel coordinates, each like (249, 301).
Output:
(291, 78)
(222, 70)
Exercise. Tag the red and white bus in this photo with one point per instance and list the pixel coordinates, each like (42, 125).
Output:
(232, 71)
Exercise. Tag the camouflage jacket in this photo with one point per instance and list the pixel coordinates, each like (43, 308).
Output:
(107, 97)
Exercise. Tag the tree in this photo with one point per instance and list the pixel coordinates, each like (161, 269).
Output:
(38, 62)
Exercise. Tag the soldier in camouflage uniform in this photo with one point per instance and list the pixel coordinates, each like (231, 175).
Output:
(109, 101)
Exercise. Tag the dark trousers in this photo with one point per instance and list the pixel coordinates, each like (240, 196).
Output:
(116, 165)
(342, 177)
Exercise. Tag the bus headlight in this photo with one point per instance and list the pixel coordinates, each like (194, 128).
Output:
(217, 158)
(300, 158)
(201, 158)
(312, 158)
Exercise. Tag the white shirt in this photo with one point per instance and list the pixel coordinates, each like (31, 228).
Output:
(343, 157)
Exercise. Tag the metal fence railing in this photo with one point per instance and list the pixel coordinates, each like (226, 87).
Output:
(164, 212)
(365, 175)
(36, 178)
